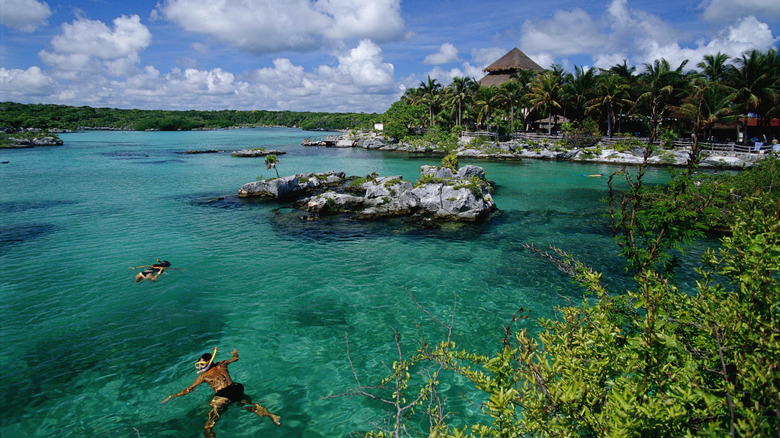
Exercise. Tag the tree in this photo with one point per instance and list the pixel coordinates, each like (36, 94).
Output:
(546, 94)
(655, 360)
(578, 90)
(270, 163)
(462, 91)
(660, 87)
(429, 96)
(714, 67)
(610, 93)
(755, 79)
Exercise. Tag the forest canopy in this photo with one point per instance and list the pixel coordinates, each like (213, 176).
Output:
(15, 116)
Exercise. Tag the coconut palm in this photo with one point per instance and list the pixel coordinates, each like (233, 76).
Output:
(714, 67)
(706, 104)
(546, 94)
(578, 89)
(514, 94)
(461, 91)
(486, 101)
(755, 79)
(610, 93)
(429, 96)
(660, 86)
(626, 75)
(270, 163)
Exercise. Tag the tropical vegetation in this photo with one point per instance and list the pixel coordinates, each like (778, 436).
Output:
(658, 100)
(15, 116)
(663, 358)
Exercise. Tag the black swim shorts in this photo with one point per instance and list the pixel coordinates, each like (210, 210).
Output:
(233, 392)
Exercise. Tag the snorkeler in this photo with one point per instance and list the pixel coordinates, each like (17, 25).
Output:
(227, 392)
(152, 272)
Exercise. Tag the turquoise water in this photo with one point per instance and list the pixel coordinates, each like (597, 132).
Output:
(89, 352)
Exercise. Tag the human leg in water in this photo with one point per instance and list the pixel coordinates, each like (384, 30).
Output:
(259, 410)
(218, 406)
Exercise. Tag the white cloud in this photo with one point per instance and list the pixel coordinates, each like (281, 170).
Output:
(271, 26)
(625, 33)
(24, 15)
(95, 39)
(361, 67)
(484, 57)
(89, 46)
(569, 32)
(16, 84)
(447, 53)
(729, 10)
(745, 35)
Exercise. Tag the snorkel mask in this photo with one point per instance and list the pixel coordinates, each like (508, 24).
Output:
(205, 362)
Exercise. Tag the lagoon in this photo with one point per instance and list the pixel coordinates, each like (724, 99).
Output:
(88, 352)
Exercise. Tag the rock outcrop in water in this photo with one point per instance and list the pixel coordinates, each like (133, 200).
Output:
(251, 153)
(441, 194)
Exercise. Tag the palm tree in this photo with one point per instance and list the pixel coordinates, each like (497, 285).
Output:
(610, 92)
(270, 163)
(487, 100)
(462, 91)
(546, 94)
(755, 79)
(429, 96)
(714, 67)
(626, 75)
(660, 87)
(513, 95)
(707, 104)
(578, 89)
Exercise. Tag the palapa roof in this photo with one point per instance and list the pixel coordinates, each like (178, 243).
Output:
(513, 60)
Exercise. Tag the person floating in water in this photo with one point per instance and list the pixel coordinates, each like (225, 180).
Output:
(227, 392)
(152, 271)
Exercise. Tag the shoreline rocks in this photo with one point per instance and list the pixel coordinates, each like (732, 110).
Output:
(517, 150)
(441, 194)
(34, 142)
(252, 153)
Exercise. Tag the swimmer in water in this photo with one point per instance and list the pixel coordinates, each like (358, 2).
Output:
(227, 392)
(152, 271)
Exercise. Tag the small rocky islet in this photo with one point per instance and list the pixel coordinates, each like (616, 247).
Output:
(440, 194)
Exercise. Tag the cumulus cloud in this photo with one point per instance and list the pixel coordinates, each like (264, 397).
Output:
(447, 53)
(625, 33)
(24, 15)
(727, 10)
(272, 26)
(745, 35)
(567, 33)
(484, 57)
(16, 83)
(90, 45)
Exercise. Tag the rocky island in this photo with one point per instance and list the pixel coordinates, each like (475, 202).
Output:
(440, 194)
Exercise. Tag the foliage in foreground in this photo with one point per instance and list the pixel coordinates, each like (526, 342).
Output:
(657, 360)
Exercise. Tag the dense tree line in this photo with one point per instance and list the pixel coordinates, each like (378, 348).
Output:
(658, 98)
(21, 116)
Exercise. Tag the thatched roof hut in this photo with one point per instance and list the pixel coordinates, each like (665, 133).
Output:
(500, 71)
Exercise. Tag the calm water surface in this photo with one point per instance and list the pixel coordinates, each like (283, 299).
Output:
(88, 352)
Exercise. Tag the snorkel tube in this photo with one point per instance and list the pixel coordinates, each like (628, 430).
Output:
(204, 366)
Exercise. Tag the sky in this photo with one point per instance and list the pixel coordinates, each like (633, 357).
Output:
(338, 55)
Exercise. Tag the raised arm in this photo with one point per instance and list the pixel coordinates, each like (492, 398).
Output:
(232, 359)
(186, 390)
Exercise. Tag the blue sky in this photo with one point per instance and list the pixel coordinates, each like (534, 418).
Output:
(337, 55)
